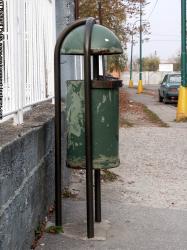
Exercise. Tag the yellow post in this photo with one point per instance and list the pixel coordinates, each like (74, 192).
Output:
(182, 104)
(140, 87)
(131, 84)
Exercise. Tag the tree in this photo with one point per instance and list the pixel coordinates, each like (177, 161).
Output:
(150, 63)
(177, 63)
(176, 60)
(113, 14)
(117, 63)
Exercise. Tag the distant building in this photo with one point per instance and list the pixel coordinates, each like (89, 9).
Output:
(166, 66)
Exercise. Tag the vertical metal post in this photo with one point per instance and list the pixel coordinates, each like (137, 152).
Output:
(183, 44)
(101, 22)
(58, 174)
(97, 195)
(140, 86)
(88, 127)
(95, 66)
(140, 73)
(76, 3)
(100, 12)
(182, 99)
(131, 57)
(97, 171)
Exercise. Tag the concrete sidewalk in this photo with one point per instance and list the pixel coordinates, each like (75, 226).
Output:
(146, 208)
(166, 112)
(130, 228)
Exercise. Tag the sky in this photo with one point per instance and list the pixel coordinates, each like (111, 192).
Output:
(165, 23)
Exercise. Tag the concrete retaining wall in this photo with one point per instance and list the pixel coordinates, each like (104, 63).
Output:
(27, 185)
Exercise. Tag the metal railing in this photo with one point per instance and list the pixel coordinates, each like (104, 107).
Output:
(28, 46)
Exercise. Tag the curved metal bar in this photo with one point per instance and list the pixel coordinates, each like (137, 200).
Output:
(88, 126)
(58, 173)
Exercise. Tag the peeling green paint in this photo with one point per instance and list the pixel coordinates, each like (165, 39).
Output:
(75, 111)
(102, 119)
(98, 107)
(105, 119)
(104, 98)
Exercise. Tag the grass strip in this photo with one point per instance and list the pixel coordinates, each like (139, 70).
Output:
(154, 117)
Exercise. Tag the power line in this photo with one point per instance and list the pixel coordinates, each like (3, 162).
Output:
(153, 9)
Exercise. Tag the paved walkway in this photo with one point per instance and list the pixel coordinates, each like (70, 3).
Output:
(146, 208)
(166, 112)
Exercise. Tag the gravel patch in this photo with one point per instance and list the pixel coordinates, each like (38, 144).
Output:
(152, 173)
(154, 166)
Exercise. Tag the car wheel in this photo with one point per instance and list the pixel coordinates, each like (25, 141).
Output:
(160, 98)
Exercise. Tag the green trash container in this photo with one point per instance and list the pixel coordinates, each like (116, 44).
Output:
(105, 123)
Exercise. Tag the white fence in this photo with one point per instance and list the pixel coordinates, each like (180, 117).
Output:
(29, 38)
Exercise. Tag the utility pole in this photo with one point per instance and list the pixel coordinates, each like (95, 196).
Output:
(132, 44)
(182, 100)
(140, 86)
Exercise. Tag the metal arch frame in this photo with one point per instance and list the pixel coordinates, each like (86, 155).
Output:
(89, 22)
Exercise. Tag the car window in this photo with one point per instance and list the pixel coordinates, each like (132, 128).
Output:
(164, 80)
(175, 79)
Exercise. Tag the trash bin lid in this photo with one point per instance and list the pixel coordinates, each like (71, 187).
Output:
(103, 42)
(106, 84)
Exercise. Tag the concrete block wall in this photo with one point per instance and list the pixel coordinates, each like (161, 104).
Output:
(148, 77)
(27, 184)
